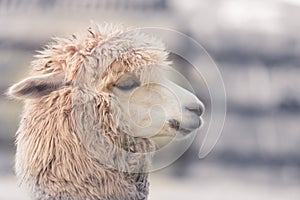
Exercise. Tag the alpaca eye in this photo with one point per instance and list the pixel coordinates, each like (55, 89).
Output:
(127, 84)
(48, 64)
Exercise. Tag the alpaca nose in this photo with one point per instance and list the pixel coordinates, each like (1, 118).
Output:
(195, 108)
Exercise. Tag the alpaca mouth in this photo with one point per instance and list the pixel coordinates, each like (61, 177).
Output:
(175, 124)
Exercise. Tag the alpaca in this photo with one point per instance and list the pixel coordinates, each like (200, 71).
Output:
(86, 131)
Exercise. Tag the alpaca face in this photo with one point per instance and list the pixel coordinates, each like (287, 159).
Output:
(158, 108)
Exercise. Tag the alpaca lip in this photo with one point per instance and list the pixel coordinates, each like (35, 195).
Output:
(176, 125)
(184, 131)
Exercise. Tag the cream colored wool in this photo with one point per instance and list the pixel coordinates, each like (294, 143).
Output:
(72, 130)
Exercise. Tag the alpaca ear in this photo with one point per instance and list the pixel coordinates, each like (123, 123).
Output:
(37, 86)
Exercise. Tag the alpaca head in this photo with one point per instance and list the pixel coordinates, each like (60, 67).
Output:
(117, 84)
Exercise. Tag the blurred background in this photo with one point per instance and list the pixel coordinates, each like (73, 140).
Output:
(255, 44)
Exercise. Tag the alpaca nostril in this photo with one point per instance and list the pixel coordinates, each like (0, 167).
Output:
(195, 108)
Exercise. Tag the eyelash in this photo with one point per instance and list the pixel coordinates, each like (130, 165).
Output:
(127, 87)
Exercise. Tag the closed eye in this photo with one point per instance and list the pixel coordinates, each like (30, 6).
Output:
(127, 83)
